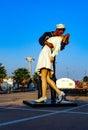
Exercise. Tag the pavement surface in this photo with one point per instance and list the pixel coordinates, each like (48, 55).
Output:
(15, 115)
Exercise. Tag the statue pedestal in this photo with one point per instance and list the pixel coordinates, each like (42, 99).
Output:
(64, 103)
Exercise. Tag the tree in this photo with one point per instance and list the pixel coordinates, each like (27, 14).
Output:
(21, 74)
(3, 73)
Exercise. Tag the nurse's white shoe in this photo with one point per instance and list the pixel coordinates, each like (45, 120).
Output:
(40, 100)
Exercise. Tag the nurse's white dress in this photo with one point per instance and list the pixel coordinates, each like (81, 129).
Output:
(45, 54)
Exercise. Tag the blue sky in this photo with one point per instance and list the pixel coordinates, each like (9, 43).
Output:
(22, 22)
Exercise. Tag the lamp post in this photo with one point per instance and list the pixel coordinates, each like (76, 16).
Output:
(30, 59)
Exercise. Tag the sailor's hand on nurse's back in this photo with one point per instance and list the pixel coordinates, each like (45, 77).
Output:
(50, 45)
(51, 59)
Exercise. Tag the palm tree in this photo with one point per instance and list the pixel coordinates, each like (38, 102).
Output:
(3, 73)
(20, 75)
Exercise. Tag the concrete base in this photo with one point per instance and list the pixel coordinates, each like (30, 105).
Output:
(64, 103)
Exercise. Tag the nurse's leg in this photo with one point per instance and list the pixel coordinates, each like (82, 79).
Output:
(44, 73)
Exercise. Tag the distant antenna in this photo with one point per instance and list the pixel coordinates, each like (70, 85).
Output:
(67, 69)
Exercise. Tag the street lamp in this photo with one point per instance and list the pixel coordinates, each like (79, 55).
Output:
(30, 59)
